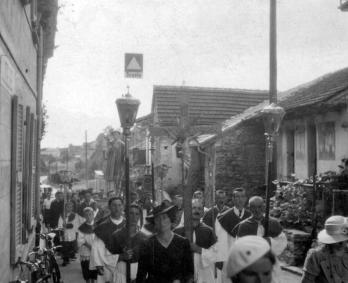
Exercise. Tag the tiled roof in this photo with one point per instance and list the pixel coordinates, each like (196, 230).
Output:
(330, 88)
(207, 106)
(229, 124)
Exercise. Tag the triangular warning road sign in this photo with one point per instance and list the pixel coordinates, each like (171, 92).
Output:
(134, 65)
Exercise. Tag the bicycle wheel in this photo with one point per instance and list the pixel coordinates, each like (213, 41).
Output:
(55, 272)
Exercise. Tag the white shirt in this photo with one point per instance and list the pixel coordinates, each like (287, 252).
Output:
(204, 264)
(70, 234)
(237, 212)
(278, 244)
(116, 221)
(47, 203)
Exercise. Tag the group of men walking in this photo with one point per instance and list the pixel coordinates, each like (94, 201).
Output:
(214, 231)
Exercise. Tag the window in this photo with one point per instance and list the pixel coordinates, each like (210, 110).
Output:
(326, 140)
(16, 178)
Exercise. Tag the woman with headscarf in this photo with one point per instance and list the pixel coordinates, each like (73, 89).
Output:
(328, 263)
(165, 257)
(250, 260)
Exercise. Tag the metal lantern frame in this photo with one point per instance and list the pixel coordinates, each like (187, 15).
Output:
(343, 5)
(127, 107)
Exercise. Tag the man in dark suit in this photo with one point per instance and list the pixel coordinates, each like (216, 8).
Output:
(209, 217)
(225, 223)
(255, 225)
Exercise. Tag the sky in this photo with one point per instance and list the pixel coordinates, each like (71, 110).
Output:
(212, 43)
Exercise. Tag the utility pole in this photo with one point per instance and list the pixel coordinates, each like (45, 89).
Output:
(86, 160)
(67, 159)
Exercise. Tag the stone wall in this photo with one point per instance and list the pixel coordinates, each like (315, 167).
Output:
(298, 244)
(240, 158)
(18, 73)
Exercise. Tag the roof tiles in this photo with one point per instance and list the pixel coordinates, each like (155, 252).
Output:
(207, 106)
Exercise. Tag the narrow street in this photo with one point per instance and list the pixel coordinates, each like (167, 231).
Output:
(72, 273)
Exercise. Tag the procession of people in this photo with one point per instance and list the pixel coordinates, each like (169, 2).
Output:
(227, 244)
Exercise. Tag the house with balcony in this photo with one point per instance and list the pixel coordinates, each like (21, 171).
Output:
(27, 32)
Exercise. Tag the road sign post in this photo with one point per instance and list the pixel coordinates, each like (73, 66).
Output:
(133, 65)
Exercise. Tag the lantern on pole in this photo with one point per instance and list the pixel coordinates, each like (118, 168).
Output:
(127, 107)
(272, 116)
(343, 5)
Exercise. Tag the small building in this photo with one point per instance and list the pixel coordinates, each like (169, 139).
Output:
(314, 132)
(312, 139)
(27, 32)
(206, 109)
(235, 157)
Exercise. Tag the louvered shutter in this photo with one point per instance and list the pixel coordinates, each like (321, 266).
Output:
(16, 178)
(26, 179)
(33, 166)
(30, 175)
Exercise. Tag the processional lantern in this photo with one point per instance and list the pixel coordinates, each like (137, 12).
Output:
(343, 5)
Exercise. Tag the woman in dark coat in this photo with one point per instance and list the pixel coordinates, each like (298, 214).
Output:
(165, 257)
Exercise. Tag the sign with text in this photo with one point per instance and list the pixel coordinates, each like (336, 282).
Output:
(133, 65)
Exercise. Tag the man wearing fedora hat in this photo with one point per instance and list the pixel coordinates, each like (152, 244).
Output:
(328, 263)
(165, 257)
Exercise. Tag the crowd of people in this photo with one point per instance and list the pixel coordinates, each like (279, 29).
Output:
(228, 244)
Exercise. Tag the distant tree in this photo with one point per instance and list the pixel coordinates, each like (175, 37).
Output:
(43, 167)
(79, 165)
(64, 155)
(91, 168)
(44, 119)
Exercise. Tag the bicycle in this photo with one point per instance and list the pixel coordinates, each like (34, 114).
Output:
(48, 259)
(35, 273)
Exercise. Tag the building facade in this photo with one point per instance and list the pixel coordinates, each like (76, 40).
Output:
(314, 133)
(204, 111)
(27, 30)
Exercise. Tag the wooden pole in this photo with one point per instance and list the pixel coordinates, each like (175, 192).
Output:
(86, 155)
(273, 53)
(126, 133)
(272, 99)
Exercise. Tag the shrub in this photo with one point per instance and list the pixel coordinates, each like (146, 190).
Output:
(291, 206)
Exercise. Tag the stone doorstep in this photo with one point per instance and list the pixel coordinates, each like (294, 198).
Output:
(293, 269)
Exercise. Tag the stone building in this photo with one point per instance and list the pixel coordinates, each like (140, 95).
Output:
(27, 31)
(206, 107)
(235, 157)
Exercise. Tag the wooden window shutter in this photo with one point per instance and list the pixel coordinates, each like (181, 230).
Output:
(26, 183)
(16, 178)
(33, 166)
(30, 175)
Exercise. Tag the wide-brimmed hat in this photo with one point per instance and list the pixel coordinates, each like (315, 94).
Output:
(336, 230)
(160, 209)
(244, 252)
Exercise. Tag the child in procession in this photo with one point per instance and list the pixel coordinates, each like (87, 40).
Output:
(85, 239)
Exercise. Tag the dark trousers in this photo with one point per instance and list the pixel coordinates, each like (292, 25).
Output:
(86, 272)
(68, 250)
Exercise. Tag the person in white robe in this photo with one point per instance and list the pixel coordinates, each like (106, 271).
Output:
(101, 258)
